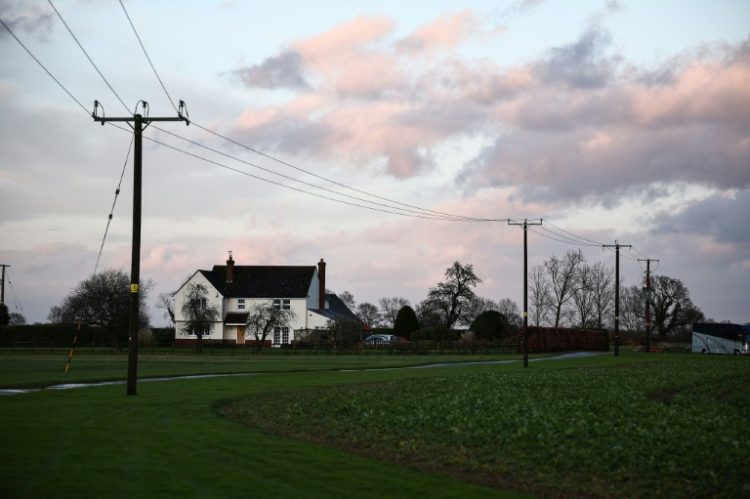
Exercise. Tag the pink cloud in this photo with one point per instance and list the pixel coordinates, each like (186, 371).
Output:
(576, 123)
(443, 33)
(344, 39)
(705, 91)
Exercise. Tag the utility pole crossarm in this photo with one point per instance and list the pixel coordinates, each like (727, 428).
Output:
(145, 119)
(525, 222)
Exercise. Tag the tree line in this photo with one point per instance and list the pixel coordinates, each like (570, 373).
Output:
(563, 291)
(569, 291)
(448, 303)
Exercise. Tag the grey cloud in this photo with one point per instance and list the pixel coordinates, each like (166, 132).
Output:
(529, 4)
(283, 70)
(601, 143)
(552, 167)
(723, 218)
(290, 134)
(582, 64)
(552, 110)
(31, 19)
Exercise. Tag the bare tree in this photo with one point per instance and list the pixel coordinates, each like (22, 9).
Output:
(510, 310)
(199, 315)
(452, 296)
(539, 296)
(368, 313)
(476, 306)
(632, 309)
(166, 303)
(562, 277)
(263, 318)
(584, 297)
(389, 308)
(348, 300)
(344, 332)
(602, 279)
(16, 319)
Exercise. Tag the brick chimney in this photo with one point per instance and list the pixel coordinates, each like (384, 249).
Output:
(321, 284)
(230, 269)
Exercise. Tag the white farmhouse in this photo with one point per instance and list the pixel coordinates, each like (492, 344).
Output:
(235, 289)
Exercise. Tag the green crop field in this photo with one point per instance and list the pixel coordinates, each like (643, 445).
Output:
(637, 425)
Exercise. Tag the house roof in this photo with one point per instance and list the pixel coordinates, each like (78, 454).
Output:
(337, 309)
(262, 281)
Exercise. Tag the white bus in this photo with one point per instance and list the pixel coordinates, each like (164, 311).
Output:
(709, 337)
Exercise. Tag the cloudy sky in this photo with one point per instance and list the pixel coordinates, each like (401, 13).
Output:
(626, 120)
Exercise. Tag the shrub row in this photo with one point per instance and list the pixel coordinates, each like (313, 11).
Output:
(53, 335)
(548, 339)
(162, 336)
(61, 335)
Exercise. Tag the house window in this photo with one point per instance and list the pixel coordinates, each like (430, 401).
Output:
(240, 304)
(282, 304)
(200, 304)
(280, 336)
(206, 331)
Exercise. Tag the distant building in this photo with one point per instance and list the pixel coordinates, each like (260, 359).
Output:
(235, 289)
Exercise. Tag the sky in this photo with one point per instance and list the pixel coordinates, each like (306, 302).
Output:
(623, 121)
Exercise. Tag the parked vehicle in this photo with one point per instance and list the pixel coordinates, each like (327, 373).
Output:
(731, 339)
(381, 339)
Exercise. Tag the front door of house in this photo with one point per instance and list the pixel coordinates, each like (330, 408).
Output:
(241, 335)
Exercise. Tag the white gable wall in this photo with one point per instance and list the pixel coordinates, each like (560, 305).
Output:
(214, 300)
(316, 321)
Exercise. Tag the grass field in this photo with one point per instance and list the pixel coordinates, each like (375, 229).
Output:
(33, 370)
(633, 425)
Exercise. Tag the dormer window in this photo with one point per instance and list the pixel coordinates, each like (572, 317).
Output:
(240, 304)
(282, 304)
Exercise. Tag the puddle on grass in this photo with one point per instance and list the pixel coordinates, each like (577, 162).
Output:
(70, 386)
(573, 355)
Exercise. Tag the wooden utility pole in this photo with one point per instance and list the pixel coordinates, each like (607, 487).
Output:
(139, 123)
(525, 337)
(617, 247)
(2, 283)
(649, 292)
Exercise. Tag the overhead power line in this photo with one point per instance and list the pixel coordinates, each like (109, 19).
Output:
(286, 163)
(447, 217)
(568, 237)
(145, 52)
(16, 300)
(335, 182)
(575, 236)
(417, 211)
(75, 38)
(112, 210)
(59, 84)
(556, 236)
(555, 233)
(297, 189)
